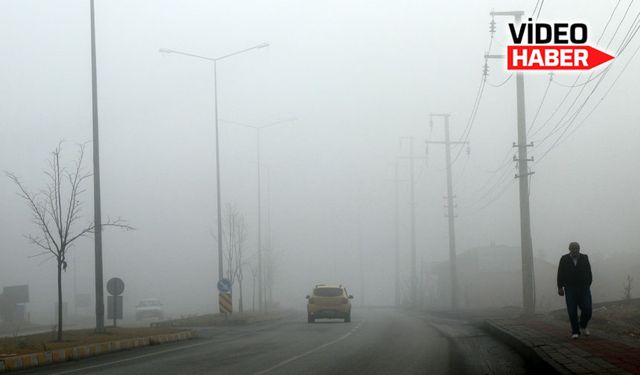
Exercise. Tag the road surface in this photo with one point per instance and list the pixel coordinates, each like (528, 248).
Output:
(377, 341)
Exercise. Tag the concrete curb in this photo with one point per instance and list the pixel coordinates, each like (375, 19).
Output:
(25, 361)
(462, 366)
(531, 354)
(211, 321)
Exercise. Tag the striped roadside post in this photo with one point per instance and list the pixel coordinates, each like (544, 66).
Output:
(225, 302)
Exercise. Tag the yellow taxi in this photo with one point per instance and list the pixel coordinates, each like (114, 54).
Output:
(329, 302)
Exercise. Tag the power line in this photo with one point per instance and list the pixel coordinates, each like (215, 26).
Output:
(573, 118)
(608, 22)
(540, 10)
(504, 176)
(579, 84)
(535, 8)
(476, 104)
(544, 96)
(629, 36)
(556, 109)
(605, 94)
(575, 83)
(501, 84)
(560, 122)
(619, 24)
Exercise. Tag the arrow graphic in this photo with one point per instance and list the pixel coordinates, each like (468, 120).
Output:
(555, 57)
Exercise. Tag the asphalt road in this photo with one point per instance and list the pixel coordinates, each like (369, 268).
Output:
(377, 341)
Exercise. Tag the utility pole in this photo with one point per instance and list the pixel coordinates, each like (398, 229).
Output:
(261, 304)
(397, 240)
(412, 202)
(360, 251)
(453, 269)
(75, 286)
(414, 280)
(97, 216)
(528, 276)
(269, 248)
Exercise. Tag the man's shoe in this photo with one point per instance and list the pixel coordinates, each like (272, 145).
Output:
(586, 332)
(575, 336)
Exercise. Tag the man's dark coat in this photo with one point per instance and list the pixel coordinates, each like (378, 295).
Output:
(578, 275)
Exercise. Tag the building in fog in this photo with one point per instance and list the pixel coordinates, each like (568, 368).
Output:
(490, 277)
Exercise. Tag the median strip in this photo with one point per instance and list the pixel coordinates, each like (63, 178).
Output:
(29, 360)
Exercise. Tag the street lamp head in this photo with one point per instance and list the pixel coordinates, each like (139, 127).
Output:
(164, 50)
(262, 45)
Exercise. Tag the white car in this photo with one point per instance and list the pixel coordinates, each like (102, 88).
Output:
(149, 308)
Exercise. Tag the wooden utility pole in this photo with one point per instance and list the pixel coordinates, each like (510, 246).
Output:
(453, 271)
(526, 243)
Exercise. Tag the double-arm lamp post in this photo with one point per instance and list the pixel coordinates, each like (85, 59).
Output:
(258, 129)
(215, 60)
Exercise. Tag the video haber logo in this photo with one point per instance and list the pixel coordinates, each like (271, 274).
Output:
(557, 46)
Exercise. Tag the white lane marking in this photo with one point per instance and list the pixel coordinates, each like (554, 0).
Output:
(142, 356)
(296, 357)
(132, 358)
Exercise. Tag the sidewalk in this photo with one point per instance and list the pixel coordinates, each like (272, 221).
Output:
(547, 342)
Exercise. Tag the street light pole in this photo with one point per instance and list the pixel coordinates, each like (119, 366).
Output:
(218, 193)
(215, 60)
(261, 286)
(97, 217)
(261, 304)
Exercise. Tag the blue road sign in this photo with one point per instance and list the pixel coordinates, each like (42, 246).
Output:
(224, 286)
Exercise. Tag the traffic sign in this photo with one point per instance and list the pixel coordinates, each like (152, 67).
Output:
(224, 286)
(115, 286)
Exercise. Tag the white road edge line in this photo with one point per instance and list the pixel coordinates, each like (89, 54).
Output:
(133, 358)
(296, 357)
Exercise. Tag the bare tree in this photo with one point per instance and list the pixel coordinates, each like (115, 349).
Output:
(270, 268)
(56, 213)
(235, 236)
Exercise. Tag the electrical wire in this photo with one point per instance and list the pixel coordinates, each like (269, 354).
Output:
(601, 75)
(604, 30)
(619, 24)
(535, 8)
(540, 10)
(497, 196)
(503, 177)
(605, 94)
(572, 118)
(474, 111)
(630, 35)
(571, 121)
(579, 84)
(465, 137)
(544, 96)
(626, 40)
(501, 84)
(560, 122)
(575, 83)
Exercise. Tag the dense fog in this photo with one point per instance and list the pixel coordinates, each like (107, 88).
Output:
(350, 81)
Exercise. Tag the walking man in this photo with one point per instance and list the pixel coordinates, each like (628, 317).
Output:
(574, 281)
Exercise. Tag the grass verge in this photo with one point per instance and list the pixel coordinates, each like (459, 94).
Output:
(43, 342)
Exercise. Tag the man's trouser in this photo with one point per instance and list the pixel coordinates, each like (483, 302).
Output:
(578, 297)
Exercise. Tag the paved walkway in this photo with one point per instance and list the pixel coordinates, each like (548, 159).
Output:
(549, 344)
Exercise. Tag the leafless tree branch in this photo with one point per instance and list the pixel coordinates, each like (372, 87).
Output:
(55, 212)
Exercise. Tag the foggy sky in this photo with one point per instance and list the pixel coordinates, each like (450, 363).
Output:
(357, 75)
